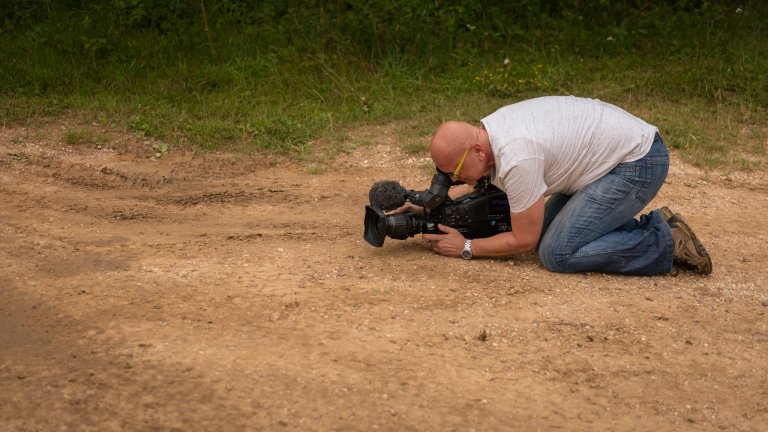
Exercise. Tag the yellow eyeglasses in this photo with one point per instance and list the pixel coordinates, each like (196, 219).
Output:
(461, 163)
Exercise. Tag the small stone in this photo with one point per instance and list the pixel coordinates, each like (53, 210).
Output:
(765, 302)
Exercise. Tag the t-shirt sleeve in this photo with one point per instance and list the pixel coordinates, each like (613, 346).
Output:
(524, 184)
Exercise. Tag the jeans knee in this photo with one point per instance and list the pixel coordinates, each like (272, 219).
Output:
(550, 258)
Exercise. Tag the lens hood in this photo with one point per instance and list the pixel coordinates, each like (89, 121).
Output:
(375, 226)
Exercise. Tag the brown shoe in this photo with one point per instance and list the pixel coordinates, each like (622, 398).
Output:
(689, 252)
(666, 213)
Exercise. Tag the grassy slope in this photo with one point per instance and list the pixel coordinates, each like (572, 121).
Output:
(700, 76)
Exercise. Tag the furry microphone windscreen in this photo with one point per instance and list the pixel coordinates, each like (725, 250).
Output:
(387, 195)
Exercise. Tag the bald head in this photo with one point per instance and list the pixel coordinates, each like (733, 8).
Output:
(450, 141)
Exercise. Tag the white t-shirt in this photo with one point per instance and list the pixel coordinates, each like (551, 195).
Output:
(559, 144)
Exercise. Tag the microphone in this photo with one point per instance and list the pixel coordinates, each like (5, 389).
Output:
(387, 195)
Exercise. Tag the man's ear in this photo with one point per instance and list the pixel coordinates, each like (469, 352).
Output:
(477, 148)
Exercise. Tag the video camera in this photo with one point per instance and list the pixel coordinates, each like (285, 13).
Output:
(481, 213)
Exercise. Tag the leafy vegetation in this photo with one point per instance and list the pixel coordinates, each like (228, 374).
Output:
(277, 75)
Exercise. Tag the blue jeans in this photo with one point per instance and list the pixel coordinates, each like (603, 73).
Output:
(595, 229)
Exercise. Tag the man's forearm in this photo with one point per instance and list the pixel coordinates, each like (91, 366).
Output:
(526, 230)
(504, 244)
(460, 191)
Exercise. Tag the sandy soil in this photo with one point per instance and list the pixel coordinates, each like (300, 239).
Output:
(211, 292)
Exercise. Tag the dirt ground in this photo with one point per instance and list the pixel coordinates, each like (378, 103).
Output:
(213, 292)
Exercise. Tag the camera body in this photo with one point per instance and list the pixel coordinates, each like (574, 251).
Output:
(481, 213)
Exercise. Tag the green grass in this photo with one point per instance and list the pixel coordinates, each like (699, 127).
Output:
(84, 137)
(292, 81)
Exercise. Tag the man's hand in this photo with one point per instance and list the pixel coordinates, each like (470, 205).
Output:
(449, 244)
(409, 208)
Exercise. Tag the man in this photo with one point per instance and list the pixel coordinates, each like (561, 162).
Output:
(597, 164)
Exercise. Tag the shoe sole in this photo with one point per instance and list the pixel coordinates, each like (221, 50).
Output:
(680, 223)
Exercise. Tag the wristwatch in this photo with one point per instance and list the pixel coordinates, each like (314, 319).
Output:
(467, 252)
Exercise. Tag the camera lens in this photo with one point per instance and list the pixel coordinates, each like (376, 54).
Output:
(398, 226)
(402, 226)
